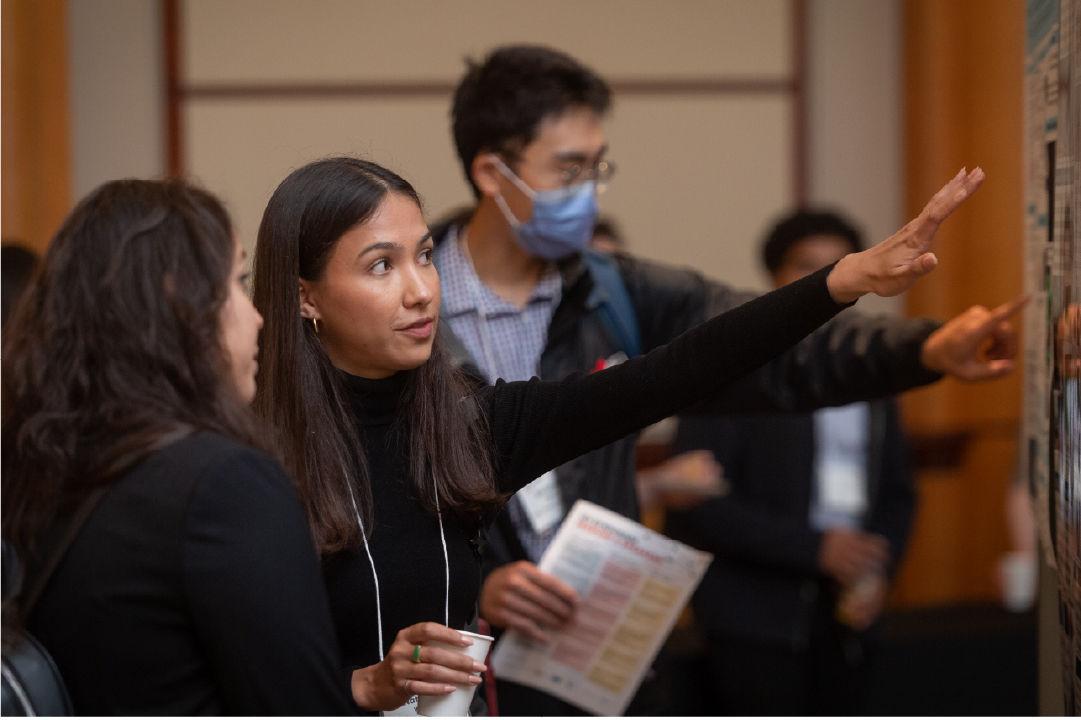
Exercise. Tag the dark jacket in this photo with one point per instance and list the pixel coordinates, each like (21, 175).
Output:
(194, 588)
(852, 358)
(764, 580)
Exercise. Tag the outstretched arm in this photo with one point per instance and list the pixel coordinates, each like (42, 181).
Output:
(854, 357)
(537, 426)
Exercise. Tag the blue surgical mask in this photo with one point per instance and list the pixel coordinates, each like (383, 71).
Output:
(562, 220)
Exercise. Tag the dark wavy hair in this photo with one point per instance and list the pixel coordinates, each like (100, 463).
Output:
(303, 396)
(115, 350)
(501, 102)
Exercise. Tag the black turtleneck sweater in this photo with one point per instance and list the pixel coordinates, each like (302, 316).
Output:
(404, 541)
(536, 426)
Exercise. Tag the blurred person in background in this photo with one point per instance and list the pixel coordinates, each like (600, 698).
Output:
(816, 520)
(521, 299)
(17, 266)
(191, 585)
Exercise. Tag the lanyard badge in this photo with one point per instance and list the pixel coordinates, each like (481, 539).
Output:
(542, 503)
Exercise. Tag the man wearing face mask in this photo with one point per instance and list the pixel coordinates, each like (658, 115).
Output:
(521, 298)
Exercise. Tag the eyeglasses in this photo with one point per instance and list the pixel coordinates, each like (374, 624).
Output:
(570, 178)
(601, 173)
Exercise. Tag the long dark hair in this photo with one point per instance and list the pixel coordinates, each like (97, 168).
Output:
(303, 395)
(116, 348)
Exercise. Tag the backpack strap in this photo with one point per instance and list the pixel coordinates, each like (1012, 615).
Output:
(41, 578)
(613, 302)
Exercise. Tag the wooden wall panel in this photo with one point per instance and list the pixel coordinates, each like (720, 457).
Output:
(964, 64)
(36, 178)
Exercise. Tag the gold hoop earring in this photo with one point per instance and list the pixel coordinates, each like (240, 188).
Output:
(315, 324)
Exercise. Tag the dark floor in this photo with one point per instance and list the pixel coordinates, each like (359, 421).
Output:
(964, 660)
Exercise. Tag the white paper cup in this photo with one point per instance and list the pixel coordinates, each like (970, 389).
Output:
(457, 703)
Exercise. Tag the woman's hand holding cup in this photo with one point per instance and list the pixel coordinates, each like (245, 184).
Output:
(405, 671)
(894, 265)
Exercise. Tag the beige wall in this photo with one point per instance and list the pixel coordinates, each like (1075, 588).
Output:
(117, 97)
(347, 40)
(700, 177)
(855, 116)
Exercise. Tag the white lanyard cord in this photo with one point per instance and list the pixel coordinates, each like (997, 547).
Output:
(375, 575)
(446, 561)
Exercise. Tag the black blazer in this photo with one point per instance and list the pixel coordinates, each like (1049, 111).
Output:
(764, 581)
(194, 589)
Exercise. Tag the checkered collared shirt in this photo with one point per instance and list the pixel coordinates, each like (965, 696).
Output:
(506, 341)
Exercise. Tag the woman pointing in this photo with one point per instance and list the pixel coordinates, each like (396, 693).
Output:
(402, 461)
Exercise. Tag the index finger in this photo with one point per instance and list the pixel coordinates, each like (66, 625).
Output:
(1002, 312)
(1007, 309)
(554, 585)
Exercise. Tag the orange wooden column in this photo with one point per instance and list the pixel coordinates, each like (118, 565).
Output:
(36, 173)
(963, 87)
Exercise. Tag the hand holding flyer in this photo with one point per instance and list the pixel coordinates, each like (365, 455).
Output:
(633, 583)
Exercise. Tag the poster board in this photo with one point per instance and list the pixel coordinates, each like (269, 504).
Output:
(1051, 434)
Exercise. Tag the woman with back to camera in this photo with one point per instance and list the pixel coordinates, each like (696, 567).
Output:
(401, 461)
(193, 587)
